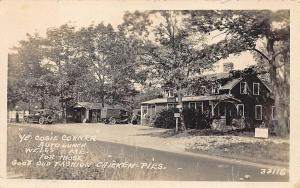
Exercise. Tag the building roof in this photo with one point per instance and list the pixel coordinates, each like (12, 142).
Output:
(88, 105)
(193, 98)
(217, 76)
(96, 106)
(230, 84)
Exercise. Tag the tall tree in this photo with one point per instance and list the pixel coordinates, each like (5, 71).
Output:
(171, 51)
(63, 57)
(27, 77)
(247, 31)
(110, 57)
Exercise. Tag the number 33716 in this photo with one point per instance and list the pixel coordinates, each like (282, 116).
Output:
(270, 171)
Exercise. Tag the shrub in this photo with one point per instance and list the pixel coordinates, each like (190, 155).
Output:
(165, 118)
(189, 116)
(193, 119)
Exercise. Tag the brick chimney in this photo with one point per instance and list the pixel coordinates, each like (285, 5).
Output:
(227, 67)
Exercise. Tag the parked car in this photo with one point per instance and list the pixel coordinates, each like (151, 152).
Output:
(136, 117)
(117, 116)
(41, 116)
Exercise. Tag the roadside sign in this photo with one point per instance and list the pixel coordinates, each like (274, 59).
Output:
(179, 106)
(261, 133)
(177, 115)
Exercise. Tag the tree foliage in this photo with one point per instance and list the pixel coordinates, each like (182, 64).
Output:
(263, 32)
(93, 64)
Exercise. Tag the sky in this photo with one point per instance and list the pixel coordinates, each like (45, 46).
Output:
(21, 17)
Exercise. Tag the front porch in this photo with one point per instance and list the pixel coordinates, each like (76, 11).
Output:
(224, 109)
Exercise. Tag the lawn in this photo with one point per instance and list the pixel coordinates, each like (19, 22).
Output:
(273, 150)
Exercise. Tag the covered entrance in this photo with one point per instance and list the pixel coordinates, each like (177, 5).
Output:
(225, 111)
(84, 112)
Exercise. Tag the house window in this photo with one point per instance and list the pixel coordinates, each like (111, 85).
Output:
(215, 89)
(258, 112)
(152, 110)
(240, 110)
(171, 93)
(256, 88)
(199, 105)
(144, 110)
(274, 113)
(243, 87)
(192, 105)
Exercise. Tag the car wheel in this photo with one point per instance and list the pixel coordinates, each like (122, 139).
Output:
(112, 120)
(29, 120)
(41, 120)
(49, 119)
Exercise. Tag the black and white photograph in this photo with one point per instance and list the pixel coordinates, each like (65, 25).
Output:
(148, 94)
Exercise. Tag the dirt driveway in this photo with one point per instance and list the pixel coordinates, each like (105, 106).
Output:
(135, 135)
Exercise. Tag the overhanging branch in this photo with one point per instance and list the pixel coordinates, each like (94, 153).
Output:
(262, 54)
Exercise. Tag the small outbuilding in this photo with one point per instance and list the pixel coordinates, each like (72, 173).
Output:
(87, 112)
(84, 112)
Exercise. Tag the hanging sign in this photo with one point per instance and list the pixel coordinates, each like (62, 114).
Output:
(177, 115)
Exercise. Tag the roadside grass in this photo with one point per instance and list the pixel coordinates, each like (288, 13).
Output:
(244, 146)
(15, 151)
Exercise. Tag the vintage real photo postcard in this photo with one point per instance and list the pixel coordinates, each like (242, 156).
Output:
(101, 91)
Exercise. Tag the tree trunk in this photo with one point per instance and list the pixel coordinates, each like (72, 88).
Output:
(63, 109)
(277, 88)
(181, 126)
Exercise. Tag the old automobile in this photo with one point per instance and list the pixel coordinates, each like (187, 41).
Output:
(41, 116)
(116, 116)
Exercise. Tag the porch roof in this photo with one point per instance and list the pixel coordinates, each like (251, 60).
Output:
(88, 105)
(193, 99)
(96, 106)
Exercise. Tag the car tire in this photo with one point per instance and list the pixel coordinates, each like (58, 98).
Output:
(42, 120)
(112, 120)
(49, 119)
(29, 120)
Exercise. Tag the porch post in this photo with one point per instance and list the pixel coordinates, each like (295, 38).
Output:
(86, 114)
(142, 119)
(211, 104)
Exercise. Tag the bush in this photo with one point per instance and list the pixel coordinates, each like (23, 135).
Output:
(165, 118)
(193, 119)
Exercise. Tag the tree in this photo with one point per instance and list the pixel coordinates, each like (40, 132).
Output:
(246, 31)
(110, 57)
(26, 74)
(63, 57)
(171, 53)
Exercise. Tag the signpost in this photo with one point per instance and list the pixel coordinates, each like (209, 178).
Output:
(177, 116)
